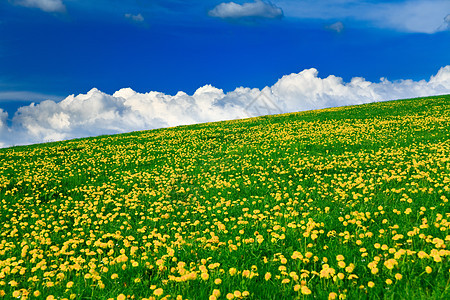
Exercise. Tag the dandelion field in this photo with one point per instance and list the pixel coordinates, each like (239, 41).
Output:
(347, 202)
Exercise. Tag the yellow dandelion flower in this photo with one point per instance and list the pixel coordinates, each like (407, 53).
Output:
(16, 294)
(332, 296)
(205, 276)
(121, 297)
(158, 292)
(305, 290)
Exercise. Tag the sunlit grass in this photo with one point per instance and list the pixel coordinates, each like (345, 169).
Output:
(339, 203)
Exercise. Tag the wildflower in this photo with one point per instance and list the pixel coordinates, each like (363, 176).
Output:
(398, 276)
(218, 281)
(216, 293)
(428, 269)
(158, 292)
(305, 290)
(205, 276)
(121, 297)
(267, 276)
(371, 284)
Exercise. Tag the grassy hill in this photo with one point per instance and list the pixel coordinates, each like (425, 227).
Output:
(347, 202)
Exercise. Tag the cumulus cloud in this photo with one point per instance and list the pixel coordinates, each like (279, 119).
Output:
(97, 113)
(136, 18)
(45, 5)
(338, 27)
(258, 8)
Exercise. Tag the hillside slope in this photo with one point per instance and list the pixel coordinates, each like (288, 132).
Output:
(343, 202)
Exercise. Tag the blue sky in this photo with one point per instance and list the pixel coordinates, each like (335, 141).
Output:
(50, 49)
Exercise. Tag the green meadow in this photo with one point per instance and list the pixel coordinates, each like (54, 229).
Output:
(340, 203)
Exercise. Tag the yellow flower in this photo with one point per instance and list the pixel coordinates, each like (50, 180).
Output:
(218, 281)
(388, 281)
(237, 294)
(398, 276)
(158, 292)
(332, 296)
(51, 297)
(428, 269)
(121, 297)
(267, 276)
(305, 290)
(245, 293)
(36, 293)
(232, 271)
(16, 294)
(114, 276)
(69, 284)
(205, 276)
(371, 284)
(230, 296)
(341, 264)
(340, 257)
(216, 293)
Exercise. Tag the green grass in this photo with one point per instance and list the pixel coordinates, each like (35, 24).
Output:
(164, 213)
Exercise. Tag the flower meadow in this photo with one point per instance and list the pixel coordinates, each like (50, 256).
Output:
(340, 203)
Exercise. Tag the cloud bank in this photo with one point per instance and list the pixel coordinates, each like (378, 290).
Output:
(97, 113)
(45, 5)
(423, 16)
(258, 8)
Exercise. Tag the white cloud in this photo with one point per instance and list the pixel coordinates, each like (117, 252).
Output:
(97, 113)
(136, 18)
(25, 96)
(338, 27)
(424, 16)
(45, 5)
(446, 24)
(258, 8)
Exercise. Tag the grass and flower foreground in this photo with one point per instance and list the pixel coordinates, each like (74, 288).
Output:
(339, 203)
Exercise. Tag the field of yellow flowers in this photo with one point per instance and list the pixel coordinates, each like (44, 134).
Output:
(338, 203)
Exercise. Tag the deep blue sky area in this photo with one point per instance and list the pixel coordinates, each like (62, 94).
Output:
(170, 46)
